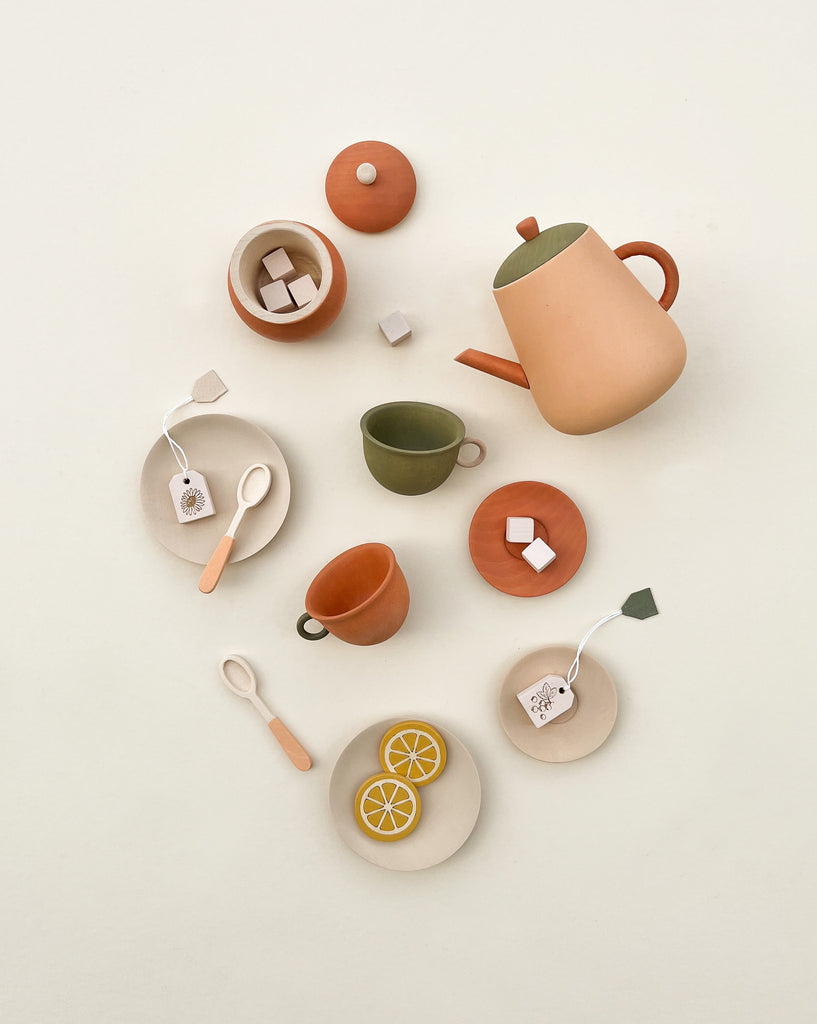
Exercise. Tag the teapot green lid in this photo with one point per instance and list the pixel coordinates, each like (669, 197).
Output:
(538, 248)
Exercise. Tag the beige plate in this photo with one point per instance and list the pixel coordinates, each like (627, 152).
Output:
(220, 447)
(450, 804)
(576, 733)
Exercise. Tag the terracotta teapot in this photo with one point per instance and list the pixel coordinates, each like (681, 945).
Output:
(594, 346)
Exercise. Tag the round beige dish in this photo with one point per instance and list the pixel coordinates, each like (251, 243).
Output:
(450, 806)
(220, 447)
(577, 732)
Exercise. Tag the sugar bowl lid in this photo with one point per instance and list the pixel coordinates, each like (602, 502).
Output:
(370, 186)
(538, 248)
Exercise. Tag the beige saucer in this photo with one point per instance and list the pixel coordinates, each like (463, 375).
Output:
(450, 804)
(577, 732)
(220, 447)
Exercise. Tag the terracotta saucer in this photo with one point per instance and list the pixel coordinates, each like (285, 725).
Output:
(220, 447)
(577, 732)
(450, 804)
(376, 206)
(557, 521)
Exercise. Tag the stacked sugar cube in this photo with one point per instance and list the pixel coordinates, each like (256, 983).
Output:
(287, 291)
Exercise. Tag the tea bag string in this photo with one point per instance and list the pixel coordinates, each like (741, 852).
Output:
(175, 447)
(574, 668)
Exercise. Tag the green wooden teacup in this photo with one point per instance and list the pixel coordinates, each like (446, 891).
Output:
(412, 447)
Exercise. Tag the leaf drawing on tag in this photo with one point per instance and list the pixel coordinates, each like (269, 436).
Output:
(543, 699)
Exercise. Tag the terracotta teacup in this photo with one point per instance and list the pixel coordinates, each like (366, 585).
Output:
(412, 447)
(361, 597)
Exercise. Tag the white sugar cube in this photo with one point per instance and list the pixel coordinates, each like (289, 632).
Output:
(395, 328)
(518, 530)
(538, 555)
(302, 290)
(279, 266)
(276, 298)
(546, 699)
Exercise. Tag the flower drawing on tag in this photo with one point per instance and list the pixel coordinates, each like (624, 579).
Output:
(191, 501)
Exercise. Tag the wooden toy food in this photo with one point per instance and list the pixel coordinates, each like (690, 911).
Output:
(238, 676)
(538, 555)
(415, 750)
(276, 297)
(412, 447)
(450, 807)
(394, 328)
(594, 346)
(309, 252)
(387, 807)
(252, 488)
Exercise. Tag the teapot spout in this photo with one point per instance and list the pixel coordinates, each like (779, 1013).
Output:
(505, 369)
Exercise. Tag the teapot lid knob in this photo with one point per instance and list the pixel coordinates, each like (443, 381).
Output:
(366, 174)
(528, 228)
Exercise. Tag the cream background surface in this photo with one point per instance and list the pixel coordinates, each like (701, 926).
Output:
(160, 859)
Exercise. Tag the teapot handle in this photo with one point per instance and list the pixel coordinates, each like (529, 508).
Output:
(663, 259)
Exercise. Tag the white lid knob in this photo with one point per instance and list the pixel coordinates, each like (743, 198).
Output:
(366, 174)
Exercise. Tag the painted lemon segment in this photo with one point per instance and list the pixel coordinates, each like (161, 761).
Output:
(387, 807)
(414, 750)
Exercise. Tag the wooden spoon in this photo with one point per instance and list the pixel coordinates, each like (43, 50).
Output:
(253, 487)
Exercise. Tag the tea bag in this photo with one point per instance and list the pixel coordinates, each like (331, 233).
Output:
(552, 695)
(188, 489)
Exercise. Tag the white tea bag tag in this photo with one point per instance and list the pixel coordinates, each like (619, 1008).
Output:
(191, 496)
(546, 699)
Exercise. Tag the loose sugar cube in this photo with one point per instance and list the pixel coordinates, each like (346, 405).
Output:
(279, 266)
(394, 328)
(538, 555)
(276, 298)
(302, 290)
(518, 530)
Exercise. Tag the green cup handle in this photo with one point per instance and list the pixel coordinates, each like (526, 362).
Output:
(300, 625)
(480, 457)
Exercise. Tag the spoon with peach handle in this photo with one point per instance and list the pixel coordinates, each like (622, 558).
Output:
(252, 488)
(244, 684)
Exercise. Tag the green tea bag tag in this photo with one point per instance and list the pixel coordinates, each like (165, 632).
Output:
(550, 697)
(640, 605)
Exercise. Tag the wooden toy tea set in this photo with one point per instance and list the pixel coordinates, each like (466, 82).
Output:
(594, 348)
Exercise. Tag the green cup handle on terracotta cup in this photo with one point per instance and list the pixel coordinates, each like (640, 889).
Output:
(307, 634)
(478, 458)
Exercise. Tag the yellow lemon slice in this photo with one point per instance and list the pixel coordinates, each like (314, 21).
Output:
(387, 807)
(414, 750)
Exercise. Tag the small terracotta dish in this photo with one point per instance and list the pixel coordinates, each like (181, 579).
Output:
(556, 519)
(581, 729)
(450, 806)
(311, 253)
(220, 447)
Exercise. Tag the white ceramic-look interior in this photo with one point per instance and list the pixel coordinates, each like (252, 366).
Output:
(450, 804)
(220, 447)
(581, 729)
(306, 251)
